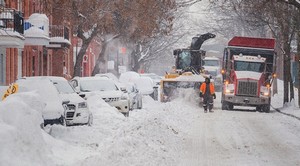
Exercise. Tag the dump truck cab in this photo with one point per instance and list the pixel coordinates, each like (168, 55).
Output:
(248, 67)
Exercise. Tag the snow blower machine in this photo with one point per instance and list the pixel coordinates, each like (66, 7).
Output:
(187, 72)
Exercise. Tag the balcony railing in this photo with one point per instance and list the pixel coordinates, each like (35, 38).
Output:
(11, 20)
(59, 34)
(11, 28)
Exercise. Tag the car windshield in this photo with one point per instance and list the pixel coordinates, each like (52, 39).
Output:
(97, 85)
(211, 63)
(63, 86)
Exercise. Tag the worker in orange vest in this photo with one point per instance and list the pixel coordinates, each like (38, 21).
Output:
(207, 91)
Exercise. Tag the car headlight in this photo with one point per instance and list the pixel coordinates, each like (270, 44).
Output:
(124, 97)
(264, 91)
(82, 105)
(229, 89)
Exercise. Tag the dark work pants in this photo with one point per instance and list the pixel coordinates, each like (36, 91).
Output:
(208, 101)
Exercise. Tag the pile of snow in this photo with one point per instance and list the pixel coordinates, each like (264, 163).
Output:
(21, 135)
(148, 136)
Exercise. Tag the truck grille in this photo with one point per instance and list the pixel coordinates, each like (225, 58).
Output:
(247, 88)
(110, 99)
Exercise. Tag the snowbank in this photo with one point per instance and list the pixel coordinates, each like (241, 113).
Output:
(21, 136)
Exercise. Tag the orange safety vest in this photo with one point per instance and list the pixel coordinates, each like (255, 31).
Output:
(211, 88)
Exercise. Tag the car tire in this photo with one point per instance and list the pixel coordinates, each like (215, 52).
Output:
(126, 114)
(90, 122)
(139, 105)
(63, 121)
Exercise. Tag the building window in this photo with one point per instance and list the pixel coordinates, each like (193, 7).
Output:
(2, 69)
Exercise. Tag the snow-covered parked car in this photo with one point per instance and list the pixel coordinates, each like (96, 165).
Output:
(136, 98)
(76, 110)
(54, 111)
(156, 78)
(106, 88)
(108, 75)
(145, 85)
(129, 76)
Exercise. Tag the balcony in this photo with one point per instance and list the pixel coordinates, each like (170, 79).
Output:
(59, 36)
(11, 28)
(36, 30)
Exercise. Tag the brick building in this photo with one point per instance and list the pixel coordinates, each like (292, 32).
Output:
(32, 42)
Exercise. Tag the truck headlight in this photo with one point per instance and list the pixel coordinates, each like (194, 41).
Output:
(229, 89)
(265, 91)
(82, 105)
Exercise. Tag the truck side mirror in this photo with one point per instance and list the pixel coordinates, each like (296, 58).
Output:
(175, 52)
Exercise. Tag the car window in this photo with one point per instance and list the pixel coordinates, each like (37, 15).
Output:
(97, 85)
(63, 86)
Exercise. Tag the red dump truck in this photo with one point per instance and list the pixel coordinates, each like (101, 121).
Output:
(248, 70)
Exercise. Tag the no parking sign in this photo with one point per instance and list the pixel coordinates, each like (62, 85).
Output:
(10, 90)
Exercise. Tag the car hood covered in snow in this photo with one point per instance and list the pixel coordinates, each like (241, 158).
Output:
(105, 94)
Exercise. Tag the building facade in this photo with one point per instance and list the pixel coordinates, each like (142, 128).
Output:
(33, 42)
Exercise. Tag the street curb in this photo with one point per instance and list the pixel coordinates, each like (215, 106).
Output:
(287, 114)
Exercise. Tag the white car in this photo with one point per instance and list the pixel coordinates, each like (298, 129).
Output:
(76, 110)
(106, 88)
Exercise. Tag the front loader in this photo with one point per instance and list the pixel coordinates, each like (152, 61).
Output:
(188, 69)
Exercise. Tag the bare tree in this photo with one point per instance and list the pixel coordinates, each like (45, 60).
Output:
(271, 14)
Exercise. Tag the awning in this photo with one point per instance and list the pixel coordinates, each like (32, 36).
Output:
(36, 30)
(11, 39)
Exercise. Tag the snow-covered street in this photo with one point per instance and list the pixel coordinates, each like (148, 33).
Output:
(172, 133)
(243, 138)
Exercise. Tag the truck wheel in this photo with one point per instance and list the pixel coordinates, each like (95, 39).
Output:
(224, 106)
(266, 108)
(258, 108)
(227, 106)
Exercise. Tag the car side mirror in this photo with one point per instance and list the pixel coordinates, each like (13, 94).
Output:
(82, 95)
(65, 101)
(123, 89)
(77, 90)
